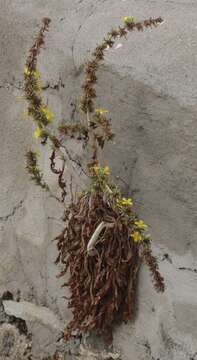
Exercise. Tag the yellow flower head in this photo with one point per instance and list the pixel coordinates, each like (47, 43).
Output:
(140, 224)
(39, 85)
(36, 74)
(101, 170)
(37, 132)
(125, 202)
(106, 170)
(37, 154)
(128, 19)
(95, 169)
(27, 72)
(101, 111)
(49, 114)
(136, 236)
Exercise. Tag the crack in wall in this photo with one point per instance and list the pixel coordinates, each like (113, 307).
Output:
(32, 292)
(75, 161)
(187, 269)
(166, 257)
(73, 111)
(176, 2)
(78, 70)
(56, 86)
(19, 85)
(172, 346)
(13, 212)
(149, 350)
(10, 85)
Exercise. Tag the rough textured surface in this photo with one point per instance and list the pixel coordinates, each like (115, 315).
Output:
(15, 341)
(13, 345)
(32, 312)
(149, 86)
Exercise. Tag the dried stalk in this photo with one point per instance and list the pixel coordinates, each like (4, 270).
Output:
(95, 236)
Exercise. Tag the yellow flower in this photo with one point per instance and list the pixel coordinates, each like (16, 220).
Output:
(101, 170)
(124, 201)
(49, 114)
(37, 132)
(128, 19)
(127, 201)
(37, 154)
(27, 72)
(39, 84)
(136, 236)
(106, 170)
(95, 168)
(101, 111)
(140, 224)
(36, 74)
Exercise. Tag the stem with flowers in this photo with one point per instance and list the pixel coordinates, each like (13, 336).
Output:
(103, 242)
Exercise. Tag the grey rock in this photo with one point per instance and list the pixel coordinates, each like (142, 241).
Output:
(13, 345)
(32, 313)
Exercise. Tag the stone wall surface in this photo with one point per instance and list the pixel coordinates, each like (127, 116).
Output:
(149, 86)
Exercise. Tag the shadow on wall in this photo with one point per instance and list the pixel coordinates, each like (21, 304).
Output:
(154, 156)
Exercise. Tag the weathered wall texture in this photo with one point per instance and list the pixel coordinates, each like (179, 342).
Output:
(149, 86)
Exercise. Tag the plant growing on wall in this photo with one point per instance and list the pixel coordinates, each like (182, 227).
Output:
(103, 241)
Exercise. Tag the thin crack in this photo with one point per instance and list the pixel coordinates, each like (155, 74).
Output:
(13, 212)
(188, 269)
(9, 85)
(19, 85)
(166, 257)
(78, 70)
(149, 350)
(77, 162)
(73, 104)
(27, 280)
(56, 86)
(175, 2)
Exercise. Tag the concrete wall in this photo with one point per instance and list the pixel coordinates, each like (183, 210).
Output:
(149, 86)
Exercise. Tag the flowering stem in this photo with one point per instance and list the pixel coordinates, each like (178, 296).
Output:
(89, 92)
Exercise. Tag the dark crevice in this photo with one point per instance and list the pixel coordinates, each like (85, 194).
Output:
(188, 269)
(149, 350)
(56, 86)
(166, 257)
(5, 318)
